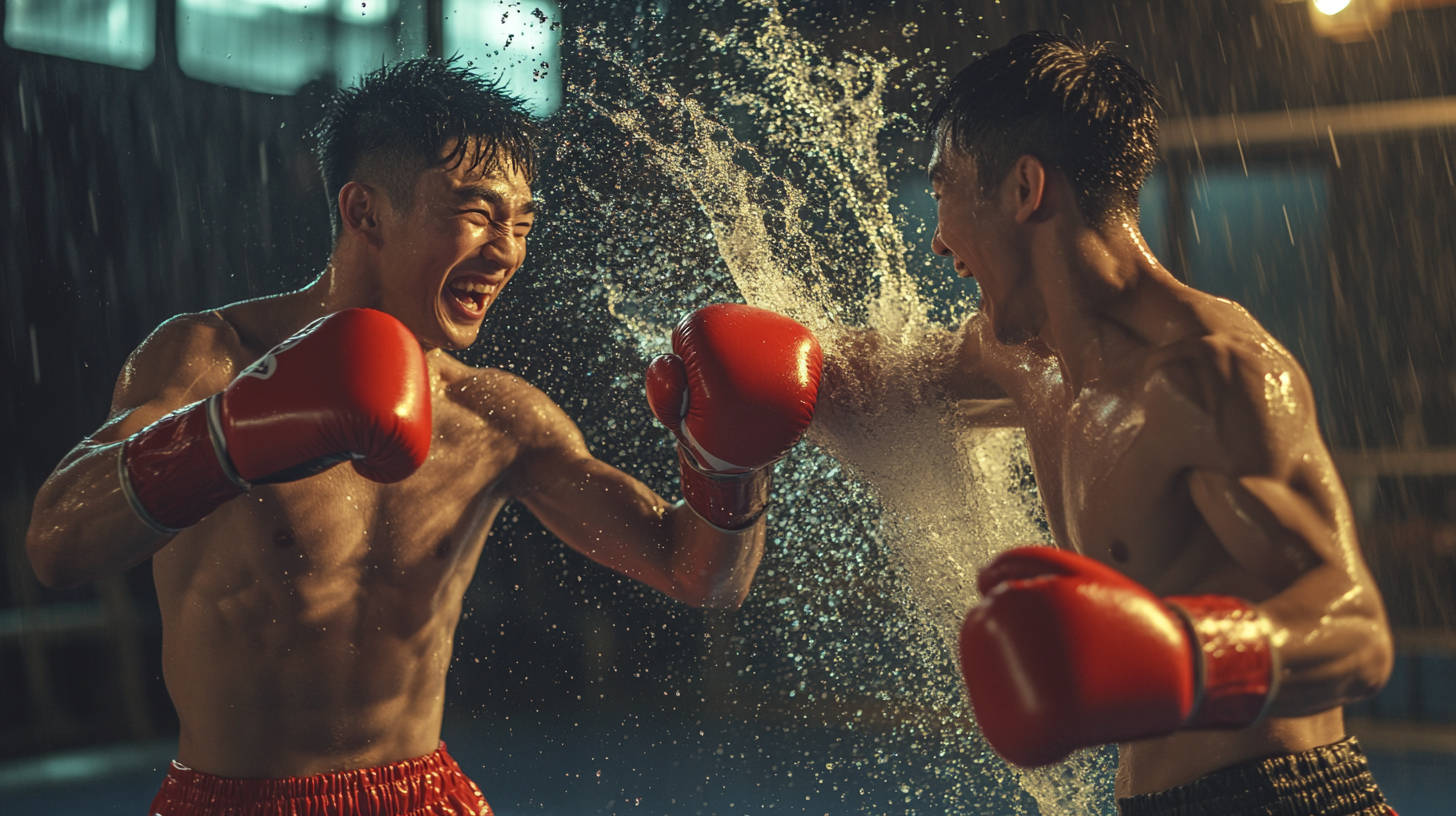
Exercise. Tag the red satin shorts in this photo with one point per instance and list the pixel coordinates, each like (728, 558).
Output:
(428, 786)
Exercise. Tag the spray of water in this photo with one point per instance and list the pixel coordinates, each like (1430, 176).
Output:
(780, 197)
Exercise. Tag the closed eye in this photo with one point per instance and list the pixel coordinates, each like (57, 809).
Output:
(526, 223)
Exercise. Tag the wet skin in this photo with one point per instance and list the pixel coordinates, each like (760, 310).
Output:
(1172, 439)
(308, 627)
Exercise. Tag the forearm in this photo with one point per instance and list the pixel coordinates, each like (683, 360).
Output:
(1333, 640)
(711, 567)
(864, 369)
(82, 528)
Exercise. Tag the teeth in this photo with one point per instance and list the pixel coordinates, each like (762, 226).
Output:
(472, 286)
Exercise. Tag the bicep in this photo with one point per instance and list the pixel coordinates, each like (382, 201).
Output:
(600, 512)
(572, 489)
(593, 507)
(851, 374)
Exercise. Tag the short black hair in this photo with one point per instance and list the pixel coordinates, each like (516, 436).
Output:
(1076, 107)
(395, 123)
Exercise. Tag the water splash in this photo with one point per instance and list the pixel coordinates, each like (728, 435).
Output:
(780, 196)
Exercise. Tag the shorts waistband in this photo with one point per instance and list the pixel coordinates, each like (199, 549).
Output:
(1331, 780)
(418, 785)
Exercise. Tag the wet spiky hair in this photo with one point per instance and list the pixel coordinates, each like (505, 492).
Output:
(398, 120)
(1077, 107)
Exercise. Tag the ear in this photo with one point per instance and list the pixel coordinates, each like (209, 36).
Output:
(359, 209)
(1030, 178)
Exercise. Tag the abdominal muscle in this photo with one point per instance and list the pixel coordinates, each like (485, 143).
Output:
(1152, 765)
(307, 629)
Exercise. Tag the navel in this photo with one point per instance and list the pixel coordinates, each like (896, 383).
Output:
(444, 549)
(284, 538)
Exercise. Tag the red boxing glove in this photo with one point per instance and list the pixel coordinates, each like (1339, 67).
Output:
(1065, 653)
(738, 391)
(352, 385)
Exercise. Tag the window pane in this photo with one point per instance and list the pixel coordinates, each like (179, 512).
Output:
(113, 32)
(514, 41)
(273, 46)
(373, 33)
(276, 46)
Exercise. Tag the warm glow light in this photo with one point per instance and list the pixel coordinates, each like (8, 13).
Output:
(1331, 6)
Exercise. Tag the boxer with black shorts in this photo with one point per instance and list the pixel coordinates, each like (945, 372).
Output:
(309, 608)
(1208, 608)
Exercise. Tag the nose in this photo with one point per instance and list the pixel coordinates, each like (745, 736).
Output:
(938, 246)
(503, 242)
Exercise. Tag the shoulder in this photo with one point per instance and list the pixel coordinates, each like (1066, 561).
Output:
(188, 355)
(508, 403)
(1240, 390)
(189, 335)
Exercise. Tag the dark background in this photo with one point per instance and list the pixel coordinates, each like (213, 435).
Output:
(132, 196)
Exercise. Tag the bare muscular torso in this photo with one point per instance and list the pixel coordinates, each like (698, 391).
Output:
(1113, 460)
(309, 626)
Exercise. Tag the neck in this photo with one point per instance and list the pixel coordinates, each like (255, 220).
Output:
(343, 284)
(1093, 283)
(350, 281)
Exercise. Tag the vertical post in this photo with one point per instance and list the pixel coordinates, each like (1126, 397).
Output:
(1417, 692)
(435, 28)
(52, 723)
(166, 34)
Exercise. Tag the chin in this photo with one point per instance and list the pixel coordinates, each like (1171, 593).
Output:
(449, 341)
(445, 333)
(459, 339)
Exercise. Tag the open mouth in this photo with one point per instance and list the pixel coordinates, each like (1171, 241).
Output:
(470, 295)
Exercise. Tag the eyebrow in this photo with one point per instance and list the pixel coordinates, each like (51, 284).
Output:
(479, 192)
(936, 171)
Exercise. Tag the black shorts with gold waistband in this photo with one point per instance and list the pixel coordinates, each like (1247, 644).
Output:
(1331, 780)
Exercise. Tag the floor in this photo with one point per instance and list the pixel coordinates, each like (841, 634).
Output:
(632, 765)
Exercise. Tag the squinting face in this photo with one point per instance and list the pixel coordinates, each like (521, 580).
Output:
(976, 232)
(448, 259)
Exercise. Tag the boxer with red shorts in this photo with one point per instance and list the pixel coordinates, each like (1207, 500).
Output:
(1209, 609)
(309, 608)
